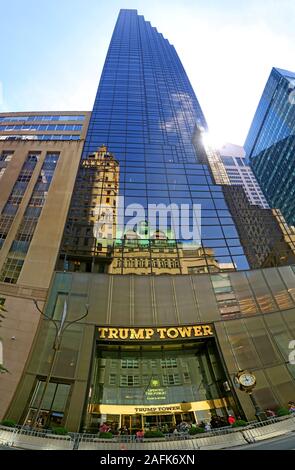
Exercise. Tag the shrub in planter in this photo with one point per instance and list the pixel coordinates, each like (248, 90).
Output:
(105, 435)
(10, 423)
(60, 431)
(238, 423)
(283, 412)
(152, 434)
(196, 430)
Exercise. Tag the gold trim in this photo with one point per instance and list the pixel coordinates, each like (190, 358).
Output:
(149, 409)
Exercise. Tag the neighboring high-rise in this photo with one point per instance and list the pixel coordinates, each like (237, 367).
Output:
(270, 144)
(240, 173)
(37, 179)
(54, 125)
(156, 348)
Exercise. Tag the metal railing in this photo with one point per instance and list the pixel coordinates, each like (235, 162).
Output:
(12, 436)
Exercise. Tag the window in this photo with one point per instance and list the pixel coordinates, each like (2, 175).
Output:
(6, 156)
(113, 379)
(129, 380)
(40, 117)
(129, 363)
(11, 270)
(54, 403)
(168, 363)
(228, 160)
(171, 379)
(186, 377)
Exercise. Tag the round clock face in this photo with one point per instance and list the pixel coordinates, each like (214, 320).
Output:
(247, 380)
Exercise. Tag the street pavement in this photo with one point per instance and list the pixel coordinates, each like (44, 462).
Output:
(286, 442)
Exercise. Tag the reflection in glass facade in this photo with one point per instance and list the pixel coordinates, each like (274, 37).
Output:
(53, 404)
(145, 112)
(270, 143)
(240, 173)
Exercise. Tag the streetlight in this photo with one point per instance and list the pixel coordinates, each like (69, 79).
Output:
(60, 328)
(258, 411)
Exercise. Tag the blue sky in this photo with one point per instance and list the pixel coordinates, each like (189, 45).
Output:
(53, 52)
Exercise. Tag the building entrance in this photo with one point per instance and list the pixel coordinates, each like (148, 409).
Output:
(156, 386)
(165, 422)
(131, 423)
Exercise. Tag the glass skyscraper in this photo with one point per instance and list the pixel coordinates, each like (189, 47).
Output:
(270, 143)
(145, 112)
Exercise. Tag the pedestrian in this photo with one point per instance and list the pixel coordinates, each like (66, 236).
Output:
(207, 427)
(231, 420)
(104, 427)
(140, 435)
(270, 413)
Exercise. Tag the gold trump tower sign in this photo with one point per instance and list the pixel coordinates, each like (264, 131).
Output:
(143, 334)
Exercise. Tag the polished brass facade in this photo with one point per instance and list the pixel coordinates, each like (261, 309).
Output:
(252, 313)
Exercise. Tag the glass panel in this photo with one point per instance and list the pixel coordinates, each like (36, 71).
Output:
(263, 344)
(242, 345)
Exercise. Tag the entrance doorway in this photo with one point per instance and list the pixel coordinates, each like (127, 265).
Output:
(152, 378)
(162, 422)
(133, 423)
(165, 422)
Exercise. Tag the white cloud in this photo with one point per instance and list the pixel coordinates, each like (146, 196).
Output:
(228, 58)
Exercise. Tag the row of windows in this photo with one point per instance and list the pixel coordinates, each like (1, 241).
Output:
(134, 363)
(17, 192)
(137, 380)
(230, 161)
(41, 127)
(42, 118)
(40, 137)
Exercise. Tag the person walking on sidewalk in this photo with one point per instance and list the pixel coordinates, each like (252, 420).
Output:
(231, 420)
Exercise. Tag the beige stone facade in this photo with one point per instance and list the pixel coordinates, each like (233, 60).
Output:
(20, 324)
